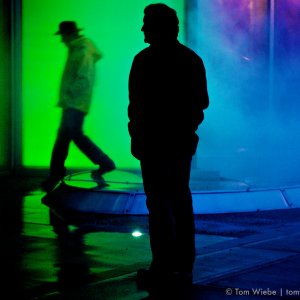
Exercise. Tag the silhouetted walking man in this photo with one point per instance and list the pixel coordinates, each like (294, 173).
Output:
(167, 93)
(75, 100)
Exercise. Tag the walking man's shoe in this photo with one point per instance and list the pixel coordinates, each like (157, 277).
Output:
(103, 169)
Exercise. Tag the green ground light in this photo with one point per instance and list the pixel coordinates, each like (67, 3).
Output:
(114, 26)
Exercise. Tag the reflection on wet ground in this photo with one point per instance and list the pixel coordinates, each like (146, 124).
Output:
(96, 256)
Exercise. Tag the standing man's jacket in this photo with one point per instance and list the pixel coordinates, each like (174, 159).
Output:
(167, 93)
(79, 75)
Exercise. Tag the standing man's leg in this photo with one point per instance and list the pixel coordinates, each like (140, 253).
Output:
(183, 215)
(171, 220)
(161, 222)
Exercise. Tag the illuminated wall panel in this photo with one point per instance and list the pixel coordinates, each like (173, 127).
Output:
(287, 58)
(115, 27)
(251, 50)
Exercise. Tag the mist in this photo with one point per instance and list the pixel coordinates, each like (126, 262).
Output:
(250, 48)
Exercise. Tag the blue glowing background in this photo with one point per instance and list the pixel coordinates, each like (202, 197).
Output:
(251, 50)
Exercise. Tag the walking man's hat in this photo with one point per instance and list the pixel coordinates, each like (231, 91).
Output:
(67, 27)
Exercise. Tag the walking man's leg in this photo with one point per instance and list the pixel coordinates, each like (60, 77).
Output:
(59, 153)
(87, 146)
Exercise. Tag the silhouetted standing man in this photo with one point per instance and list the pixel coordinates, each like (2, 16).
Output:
(75, 99)
(167, 93)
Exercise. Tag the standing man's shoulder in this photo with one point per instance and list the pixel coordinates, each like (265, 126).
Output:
(189, 53)
(141, 61)
(143, 54)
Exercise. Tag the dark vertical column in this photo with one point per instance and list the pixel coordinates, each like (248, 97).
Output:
(10, 85)
(5, 87)
(271, 52)
(16, 82)
(11, 197)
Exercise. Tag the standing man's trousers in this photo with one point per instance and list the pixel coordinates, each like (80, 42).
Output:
(171, 219)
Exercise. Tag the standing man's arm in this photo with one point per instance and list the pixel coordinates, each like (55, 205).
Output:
(203, 85)
(135, 105)
(199, 93)
(135, 109)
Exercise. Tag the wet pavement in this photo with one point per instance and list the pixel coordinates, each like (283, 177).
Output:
(239, 255)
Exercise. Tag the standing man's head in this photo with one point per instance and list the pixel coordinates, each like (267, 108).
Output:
(68, 31)
(161, 24)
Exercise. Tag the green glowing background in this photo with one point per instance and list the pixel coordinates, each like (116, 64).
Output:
(115, 28)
